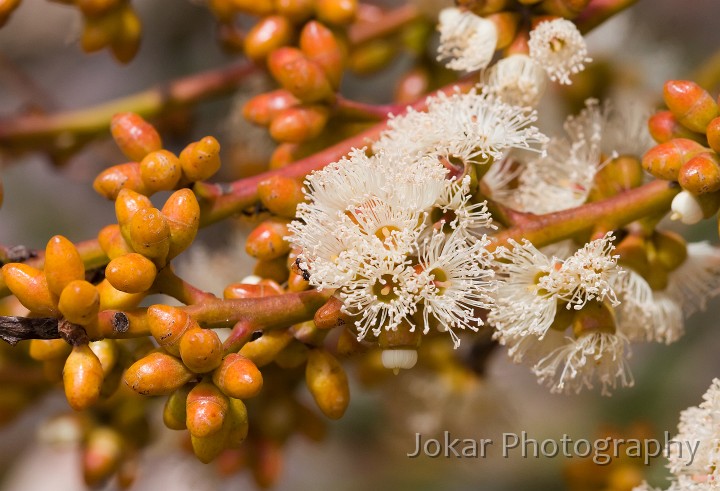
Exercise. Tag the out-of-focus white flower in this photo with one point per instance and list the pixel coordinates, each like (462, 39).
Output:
(517, 80)
(467, 40)
(559, 48)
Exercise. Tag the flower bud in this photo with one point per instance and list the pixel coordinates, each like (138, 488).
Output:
(264, 349)
(82, 377)
(102, 454)
(131, 273)
(79, 302)
(110, 181)
(201, 159)
(709, 203)
(157, 374)
(693, 107)
(30, 287)
(618, 175)
(297, 283)
(201, 349)
(126, 43)
(175, 410)
(399, 347)
(664, 127)
(665, 160)
(304, 78)
(295, 10)
(327, 382)
(263, 108)
(149, 234)
(701, 174)
(134, 136)
(330, 315)
(274, 269)
(6, 8)
(167, 325)
(506, 25)
(686, 208)
(267, 240)
(49, 349)
(284, 154)
(112, 242)
(267, 35)
(128, 203)
(281, 195)
(485, 7)
(371, 57)
(348, 344)
(299, 124)
(336, 12)
(207, 409)
(160, 171)
(295, 354)
(113, 299)
(63, 264)
(238, 377)
(246, 290)
(182, 212)
(594, 317)
(237, 423)
(99, 32)
(318, 43)
(670, 249)
(106, 351)
(267, 463)
(713, 134)
(633, 253)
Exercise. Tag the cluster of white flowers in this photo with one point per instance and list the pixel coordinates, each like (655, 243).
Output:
(699, 428)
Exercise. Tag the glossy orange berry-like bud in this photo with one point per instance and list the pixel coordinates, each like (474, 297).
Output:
(713, 134)
(318, 43)
(112, 242)
(692, 105)
(506, 25)
(107, 352)
(295, 10)
(182, 212)
(134, 136)
(113, 299)
(131, 273)
(102, 454)
(207, 407)
(304, 78)
(126, 43)
(264, 349)
(267, 240)
(618, 175)
(337, 12)
(30, 287)
(149, 234)
(701, 174)
(237, 423)
(110, 181)
(79, 302)
(82, 377)
(665, 160)
(238, 377)
(328, 383)
(201, 349)
(633, 253)
(201, 159)
(663, 126)
(63, 264)
(281, 195)
(297, 282)
(330, 315)
(207, 448)
(49, 349)
(160, 171)
(247, 290)
(157, 374)
(299, 124)
(175, 410)
(167, 325)
(263, 108)
(284, 154)
(6, 8)
(128, 203)
(268, 34)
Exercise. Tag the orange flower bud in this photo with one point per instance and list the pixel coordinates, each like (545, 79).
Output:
(268, 34)
(175, 410)
(134, 136)
(82, 377)
(131, 273)
(238, 377)
(112, 242)
(182, 212)
(690, 104)
(201, 349)
(284, 154)
(246, 290)
(304, 78)
(299, 124)
(110, 181)
(348, 344)
(297, 283)
(207, 409)
(126, 43)
(167, 325)
(237, 423)
(160, 171)
(128, 203)
(264, 349)
(701, 174)
(371, 57)
(664, 127)
(95, 8)
(79, 302)
(201, 159)
(713, 134)
(485, 7)
(63, 264)
(330, 315)
(49, 349)
(107, 352)
(102, 454)
(253, 7)
(274, 269)
(113, 299)
(337, 12)
(263, 108)
(157, 374)
(618, 175)
(295, 10)
(318, 43)
(594, 317)
(670, 249)
(633, 253)
(665, 160)
(99, 32)
(327, 382)
(149, 234)
(30, 287)
(281, 195)
(6, 8)
(267, 240)
(506, 24)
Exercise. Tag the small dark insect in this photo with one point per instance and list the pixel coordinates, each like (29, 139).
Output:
(303, 271)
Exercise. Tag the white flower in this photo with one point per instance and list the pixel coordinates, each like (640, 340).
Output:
(592, 270)
(697, 279)
(466, 39)
(517, 80)
(454, 282)
(470, 219)
(559, 48)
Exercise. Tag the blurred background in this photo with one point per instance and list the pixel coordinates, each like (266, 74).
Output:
(41, 65)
